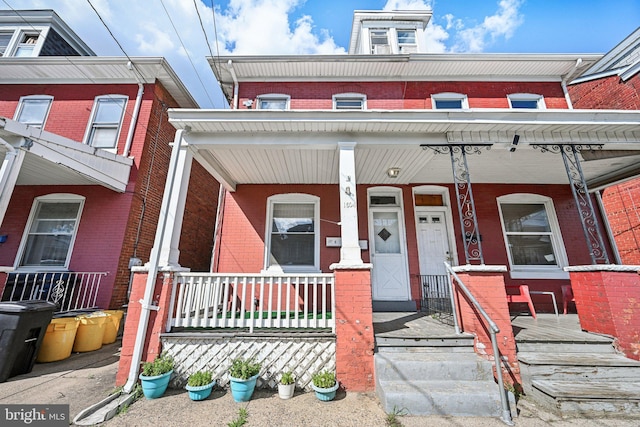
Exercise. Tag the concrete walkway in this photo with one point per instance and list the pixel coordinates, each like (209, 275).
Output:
(87, 378)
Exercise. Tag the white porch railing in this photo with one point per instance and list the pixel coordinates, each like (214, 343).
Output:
(216, 300)
(71, 291)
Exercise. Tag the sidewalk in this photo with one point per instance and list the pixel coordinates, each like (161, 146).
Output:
(87, 378)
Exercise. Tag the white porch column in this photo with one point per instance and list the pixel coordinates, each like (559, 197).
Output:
(169, 251)
(350, 251)
(8, 176)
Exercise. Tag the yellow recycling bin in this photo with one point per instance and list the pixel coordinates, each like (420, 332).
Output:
(90, 332)
(58, 340)
(112, 325)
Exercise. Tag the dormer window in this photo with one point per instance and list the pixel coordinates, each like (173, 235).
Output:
(5, 38)
(349, 101)
(449, 101)
(526, 100)
(380, 42)
(273, 102)
(27, 45)
(407, 41)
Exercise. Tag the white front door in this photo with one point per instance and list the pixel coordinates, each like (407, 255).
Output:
(433, 241)
(390, 275)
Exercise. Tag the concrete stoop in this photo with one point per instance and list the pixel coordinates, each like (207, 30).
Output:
(573, 381)
(456, 383)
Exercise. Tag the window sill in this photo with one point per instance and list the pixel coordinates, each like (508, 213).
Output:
(539, 274)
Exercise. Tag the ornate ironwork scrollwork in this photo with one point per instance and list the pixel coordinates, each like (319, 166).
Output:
(581, 196)
(457, 148)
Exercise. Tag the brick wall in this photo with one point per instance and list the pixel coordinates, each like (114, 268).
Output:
(607, 93)
(402, 95)
(608, 303)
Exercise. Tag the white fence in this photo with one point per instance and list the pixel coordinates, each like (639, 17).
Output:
(216, 300)
(70, 291)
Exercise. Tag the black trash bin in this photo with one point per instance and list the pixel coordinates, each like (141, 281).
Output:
(22, 328)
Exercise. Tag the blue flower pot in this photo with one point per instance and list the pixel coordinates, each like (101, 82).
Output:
(200, 392)
(325, 394)
(241, 390)
(154, 387)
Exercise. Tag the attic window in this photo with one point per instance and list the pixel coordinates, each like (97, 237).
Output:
(273, 102)
(407, 41)
(379, 42)
(349, 101)
(526, 100)
(449, 101)
(27, 45)
(5, 38)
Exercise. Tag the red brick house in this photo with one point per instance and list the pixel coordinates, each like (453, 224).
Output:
(362, 183)
(614, 83)
(85, 144)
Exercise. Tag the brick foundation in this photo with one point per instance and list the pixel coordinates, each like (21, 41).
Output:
(354, 330)
(489, 289)
(608, 302)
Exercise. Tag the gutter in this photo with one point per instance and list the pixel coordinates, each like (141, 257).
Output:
(134, 120)
(566, 79)
(153, 265)
(235, 84)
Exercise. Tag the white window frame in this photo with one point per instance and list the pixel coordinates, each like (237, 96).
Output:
(7, 48)
(387, 47)
(49, 198)
(557, 242)
(450, 96)
(527, 97)
(405, 48)
(273, 97)
(349, 97)
(88, 136)
(26, 99)
(292, 198)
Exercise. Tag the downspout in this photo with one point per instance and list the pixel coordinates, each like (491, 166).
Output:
(235, 84)
(154, 260)
(134, 120)
(564, 83)
(5, 170)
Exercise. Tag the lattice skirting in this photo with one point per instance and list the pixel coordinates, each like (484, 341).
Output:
(304, 356)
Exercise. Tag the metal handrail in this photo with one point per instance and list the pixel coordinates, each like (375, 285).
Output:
(493, 330)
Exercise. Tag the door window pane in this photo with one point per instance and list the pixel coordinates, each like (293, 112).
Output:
(386, 231)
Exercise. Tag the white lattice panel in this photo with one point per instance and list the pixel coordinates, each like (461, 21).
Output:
(304, 356)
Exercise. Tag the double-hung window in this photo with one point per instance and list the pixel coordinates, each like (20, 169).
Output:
(526, 100)
(449, 100)
(106, 120)
(51, 231)
(532, 236)
(379, 39)
(349, 101)
(33, 110)
(273, 102)
(5, 39)
(407, 41)
(26, 45)
(293, 238)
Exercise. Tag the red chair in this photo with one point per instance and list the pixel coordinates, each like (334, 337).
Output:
(567, 297)
(522, 296)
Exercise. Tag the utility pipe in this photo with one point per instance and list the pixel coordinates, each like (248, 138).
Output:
(134, 120)
(563, 83)
(5, 172)
(235, 84)
(147, 300)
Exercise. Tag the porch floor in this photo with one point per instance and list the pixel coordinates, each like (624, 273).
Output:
(409, 325)
(551, 328)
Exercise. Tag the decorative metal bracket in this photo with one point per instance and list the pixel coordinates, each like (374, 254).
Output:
(464, 195)
(581, 196)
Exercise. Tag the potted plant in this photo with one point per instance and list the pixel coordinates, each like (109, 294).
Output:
(325, 385)
(155, 376)
(242, 378)
(199, 385)
(286, 385)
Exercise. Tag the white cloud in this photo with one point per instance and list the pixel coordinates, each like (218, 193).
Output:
(407, 5)
(502, 24)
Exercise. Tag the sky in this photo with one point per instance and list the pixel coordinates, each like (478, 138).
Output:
(178, 31)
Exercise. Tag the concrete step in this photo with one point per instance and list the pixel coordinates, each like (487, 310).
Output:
(588, 398)
(596, 344)
(455, 398)
(578, 366)
(432, 366)
(456, 343)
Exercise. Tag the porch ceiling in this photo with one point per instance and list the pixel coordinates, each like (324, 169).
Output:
(265, 147)
(54, 160)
